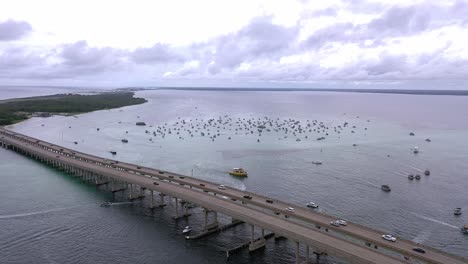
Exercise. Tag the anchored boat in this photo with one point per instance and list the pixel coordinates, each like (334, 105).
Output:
(457, 211)
(385, 188)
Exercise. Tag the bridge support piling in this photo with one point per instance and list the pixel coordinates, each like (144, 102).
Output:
(152, 199)
(176, 208)
(130, 190)
(256, 244)
(297, 253)
(161, 202)
(307, 257)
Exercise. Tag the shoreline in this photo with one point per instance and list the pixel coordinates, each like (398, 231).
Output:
(16, 110)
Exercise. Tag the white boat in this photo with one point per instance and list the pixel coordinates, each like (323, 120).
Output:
(457, 211)
(312, 205)
(106, 204)
(186, 230)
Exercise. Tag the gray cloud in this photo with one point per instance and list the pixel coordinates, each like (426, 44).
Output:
(259, 39)
(13, 30)
(159, 53)
(395, 21)
(260, 51)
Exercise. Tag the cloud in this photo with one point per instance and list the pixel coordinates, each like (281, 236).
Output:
(13, 30)
(349, 41)
(259, 39)
(159, 53)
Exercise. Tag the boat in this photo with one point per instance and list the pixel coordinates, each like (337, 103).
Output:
(317, 162)
(457, 211)
(385, 188)
(427, 172)
(464, 229)
(186, 230)
(411, 177)
(124, 140)
(113, 152)
(238, 172)
(415, 150)
(312, 205)
(106, 204)
(417, 177)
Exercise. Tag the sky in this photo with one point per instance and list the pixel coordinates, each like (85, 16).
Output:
(239, 43)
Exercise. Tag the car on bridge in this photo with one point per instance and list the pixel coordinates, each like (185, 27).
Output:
(290, 209)
(222, 187)
(420, 250)
(335, 223)
(389, 238)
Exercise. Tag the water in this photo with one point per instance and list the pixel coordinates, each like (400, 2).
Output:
(49, 217)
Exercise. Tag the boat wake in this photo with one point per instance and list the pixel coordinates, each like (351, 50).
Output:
(35, 213)
(400, 173)
(418, 169)
(434, 220)
(121, 203)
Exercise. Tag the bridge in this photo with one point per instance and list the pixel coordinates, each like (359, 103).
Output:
(306, 228)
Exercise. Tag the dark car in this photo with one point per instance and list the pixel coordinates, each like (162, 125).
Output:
(138, 167)
(161, 172)
(269, 201)
(201, 184)
(420, 250)
(247, 197)
(170, 176)
(181, 177)
(155, 183)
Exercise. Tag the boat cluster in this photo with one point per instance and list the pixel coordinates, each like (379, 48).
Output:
(228, 127)
(417, 176)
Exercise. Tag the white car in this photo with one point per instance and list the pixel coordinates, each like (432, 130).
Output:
(222, 187)
(290, 209)
(342, 222)
(335, 223)
(389, 238)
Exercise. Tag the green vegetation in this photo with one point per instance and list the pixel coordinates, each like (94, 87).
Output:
(16, 110)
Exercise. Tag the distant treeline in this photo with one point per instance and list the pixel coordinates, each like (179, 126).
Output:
(385, 91)
(15, 110)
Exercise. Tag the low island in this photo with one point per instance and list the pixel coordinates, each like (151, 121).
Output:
(17, 110)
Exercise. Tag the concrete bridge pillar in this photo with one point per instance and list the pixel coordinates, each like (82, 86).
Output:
(161, 197)
(256, 244)
(152, 199)
(213, 225)
(307, 254)
(176, 207)
(130, 190)
(298, 256)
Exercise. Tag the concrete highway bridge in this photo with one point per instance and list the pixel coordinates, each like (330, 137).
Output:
(309, 229)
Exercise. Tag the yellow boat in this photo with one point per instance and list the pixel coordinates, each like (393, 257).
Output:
(238, 172)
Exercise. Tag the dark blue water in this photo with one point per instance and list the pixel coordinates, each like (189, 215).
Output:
(49, 217)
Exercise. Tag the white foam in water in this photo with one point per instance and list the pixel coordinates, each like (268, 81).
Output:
(35, 213)
(415, 168)
(434, 220)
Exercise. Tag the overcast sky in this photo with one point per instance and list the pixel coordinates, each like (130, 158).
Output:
(251, 43)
